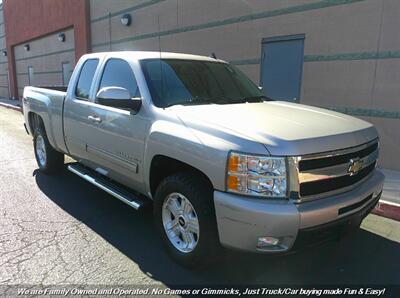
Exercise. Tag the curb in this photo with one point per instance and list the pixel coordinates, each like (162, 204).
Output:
(12, 107)
(387, 209)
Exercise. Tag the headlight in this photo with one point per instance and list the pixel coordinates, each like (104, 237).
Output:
(256, 175)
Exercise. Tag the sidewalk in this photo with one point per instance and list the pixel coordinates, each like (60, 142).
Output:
(10, 104)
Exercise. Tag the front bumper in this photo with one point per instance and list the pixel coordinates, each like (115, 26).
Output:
(242, 220)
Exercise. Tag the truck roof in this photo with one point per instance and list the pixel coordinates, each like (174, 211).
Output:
(141, 55)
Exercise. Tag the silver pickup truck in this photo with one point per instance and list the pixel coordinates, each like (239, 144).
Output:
(221, 163)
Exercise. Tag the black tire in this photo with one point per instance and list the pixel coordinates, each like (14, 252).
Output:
(54, 161)
(196, 189)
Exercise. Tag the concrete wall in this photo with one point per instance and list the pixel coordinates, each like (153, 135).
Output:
(352, 48)
(4, 88)
(45, 56)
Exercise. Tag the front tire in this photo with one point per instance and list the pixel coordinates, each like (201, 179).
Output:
(185, 218)
(49, 160)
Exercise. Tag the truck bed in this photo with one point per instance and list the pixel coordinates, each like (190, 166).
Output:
(48, 103)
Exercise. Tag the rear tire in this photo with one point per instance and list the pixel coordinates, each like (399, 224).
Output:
(49, 160)
(194, 193)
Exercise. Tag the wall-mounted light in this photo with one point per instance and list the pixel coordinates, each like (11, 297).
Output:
(61, 37)
(126, 19)
(4, 53)
(27, 47)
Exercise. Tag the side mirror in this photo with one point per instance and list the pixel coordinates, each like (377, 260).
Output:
(118, 97)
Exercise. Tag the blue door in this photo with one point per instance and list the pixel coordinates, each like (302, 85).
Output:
(282, 66)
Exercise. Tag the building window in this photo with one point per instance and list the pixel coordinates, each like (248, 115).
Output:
(66, 73)
(30, 76)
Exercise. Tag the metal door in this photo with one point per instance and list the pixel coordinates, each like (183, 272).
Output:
(282, 66)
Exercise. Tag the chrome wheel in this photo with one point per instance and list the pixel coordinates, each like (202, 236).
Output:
(180, 222)
(41, 150)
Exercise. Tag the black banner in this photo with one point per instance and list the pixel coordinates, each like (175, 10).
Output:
(179, 291)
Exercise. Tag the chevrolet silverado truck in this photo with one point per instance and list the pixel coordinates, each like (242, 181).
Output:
(222, 164)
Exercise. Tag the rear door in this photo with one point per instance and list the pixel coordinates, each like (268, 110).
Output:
(281, 67)
(116, 141)
(77, 109)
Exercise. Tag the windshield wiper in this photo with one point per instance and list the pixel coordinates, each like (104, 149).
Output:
(250, 99)
(188, 102)
(218, 100)
(258, 98)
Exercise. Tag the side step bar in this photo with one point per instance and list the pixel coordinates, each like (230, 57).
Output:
(119, 192)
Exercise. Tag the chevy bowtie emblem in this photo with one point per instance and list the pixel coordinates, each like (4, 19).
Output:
(356, 165)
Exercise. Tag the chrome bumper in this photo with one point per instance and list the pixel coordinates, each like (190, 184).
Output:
(242, 220)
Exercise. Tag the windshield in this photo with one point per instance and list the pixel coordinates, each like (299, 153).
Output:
(189, 82)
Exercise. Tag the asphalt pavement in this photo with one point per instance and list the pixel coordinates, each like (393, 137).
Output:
(61, 230)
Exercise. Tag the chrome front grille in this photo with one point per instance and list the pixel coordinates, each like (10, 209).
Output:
(322, 175)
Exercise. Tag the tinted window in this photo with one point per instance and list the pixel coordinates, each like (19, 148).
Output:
(178, 81)
(86, 78)
(118, 73)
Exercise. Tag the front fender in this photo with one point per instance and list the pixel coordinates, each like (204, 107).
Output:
(177, 141)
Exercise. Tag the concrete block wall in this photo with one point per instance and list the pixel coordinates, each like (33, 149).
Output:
(45, 56)
(4, 82)
(352, 47)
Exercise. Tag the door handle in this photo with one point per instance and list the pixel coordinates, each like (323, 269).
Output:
(94, 119)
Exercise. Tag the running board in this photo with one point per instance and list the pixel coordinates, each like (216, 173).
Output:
(117, 191)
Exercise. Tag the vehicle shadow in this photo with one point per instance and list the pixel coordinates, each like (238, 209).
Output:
(363, 258)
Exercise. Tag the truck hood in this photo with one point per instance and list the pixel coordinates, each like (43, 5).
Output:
(284, 128)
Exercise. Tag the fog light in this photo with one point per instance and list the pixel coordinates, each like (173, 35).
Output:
(267, 242)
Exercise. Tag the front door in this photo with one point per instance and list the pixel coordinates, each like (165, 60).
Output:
(116, 140)
(281, 67)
